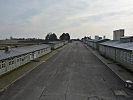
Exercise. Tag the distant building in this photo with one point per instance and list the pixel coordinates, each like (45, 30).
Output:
(97, 37)
(11, 38)
(126, 39)
(117, 34)
(11, 59)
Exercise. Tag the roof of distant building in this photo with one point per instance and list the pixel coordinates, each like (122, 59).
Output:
(118, 44)
(20, 51)
(97, 40)
(125, 37)
(55, 42)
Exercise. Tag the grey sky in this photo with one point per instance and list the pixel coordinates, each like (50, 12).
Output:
(35, 18)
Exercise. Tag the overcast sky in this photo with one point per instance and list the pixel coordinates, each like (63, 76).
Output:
(36, 18)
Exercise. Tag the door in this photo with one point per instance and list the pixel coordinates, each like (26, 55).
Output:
(31, 56)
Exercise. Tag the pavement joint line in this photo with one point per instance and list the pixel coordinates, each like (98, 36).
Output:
(106, 63)
(101, 60)
(44, 90)
(54, 52)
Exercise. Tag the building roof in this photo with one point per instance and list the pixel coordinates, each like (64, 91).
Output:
(119, 30)
(20, 51)
(95, 40)
(126, 37)
(55, 42)
(117, 44)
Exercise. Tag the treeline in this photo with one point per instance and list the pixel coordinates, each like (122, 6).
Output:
(52, 37)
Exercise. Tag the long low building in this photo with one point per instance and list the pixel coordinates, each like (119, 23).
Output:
(94, 43)
(119, 52)
(12, 58)
(56, 44)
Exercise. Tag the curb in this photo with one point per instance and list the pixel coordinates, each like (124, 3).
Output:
(101, 58)
(53, 51)
(1, 90)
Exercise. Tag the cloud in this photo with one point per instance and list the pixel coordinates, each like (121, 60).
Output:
(80, 17)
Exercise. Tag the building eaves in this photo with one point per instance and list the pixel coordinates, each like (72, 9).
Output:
(20, 51)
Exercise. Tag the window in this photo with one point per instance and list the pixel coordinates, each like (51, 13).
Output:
(23, 59)
(121, 55)
(3, 64)
(0, 66)
(131, 58)
(117, 53)
(18, 60)
(125, 56)
(10, 62)
(41, 51)
(128, 57)
(113, 53)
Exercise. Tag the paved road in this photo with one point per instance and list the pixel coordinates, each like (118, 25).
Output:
(74, 73)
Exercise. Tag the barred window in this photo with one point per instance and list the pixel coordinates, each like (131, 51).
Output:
(0, 66)
(117, 53)
(10, 62)
(121, 55)
(3, 64)
(23, 59)
(131, 58)
(128, 57)
(125, 56)
(18, 60)
(41, 51)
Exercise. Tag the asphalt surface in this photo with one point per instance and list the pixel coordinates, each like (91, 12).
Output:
(73, 73)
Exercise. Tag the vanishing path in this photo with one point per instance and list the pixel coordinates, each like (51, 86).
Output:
(73, 73)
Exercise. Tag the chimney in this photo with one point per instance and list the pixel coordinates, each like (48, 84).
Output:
(104, 37)
(7, 49)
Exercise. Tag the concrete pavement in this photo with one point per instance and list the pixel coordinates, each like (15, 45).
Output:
(73, 73)
(7, 79)
(119, 70)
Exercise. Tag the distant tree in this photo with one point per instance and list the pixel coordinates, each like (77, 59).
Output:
(65, 36)
(48, 36)
(51, 37)
(85, 38)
